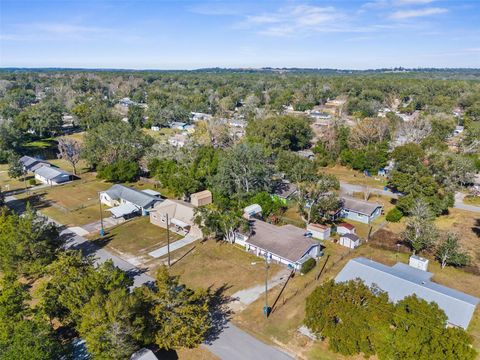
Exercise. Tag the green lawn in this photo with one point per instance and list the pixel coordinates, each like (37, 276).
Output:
(354, 177)
(472, 200)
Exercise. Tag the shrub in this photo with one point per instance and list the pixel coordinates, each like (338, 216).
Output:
(308, 265)
(32, 182)
(394, 215)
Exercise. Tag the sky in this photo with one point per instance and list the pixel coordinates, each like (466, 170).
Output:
(157, 34)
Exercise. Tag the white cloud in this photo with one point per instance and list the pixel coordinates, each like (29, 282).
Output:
(294, 20)
(414, 2)
(408, 14)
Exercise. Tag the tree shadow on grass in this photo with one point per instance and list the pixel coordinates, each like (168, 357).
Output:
(476, 227)
(36, 201)
(219, 311)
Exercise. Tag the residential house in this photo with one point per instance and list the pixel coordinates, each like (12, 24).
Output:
(175, 214)
(198, 116)
(284, 191)
(307, 154)
(31, 164)
(178, 125)
(201, 198)
(402, 280)
(349, 240)
(178, 140)
(52, 176)
(144, 354)
(126, 201)
(345, 228)
(360, 210)
(319, 231)
(285, 244)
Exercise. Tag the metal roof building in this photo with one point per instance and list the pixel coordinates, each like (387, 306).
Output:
(401, 280)
(140, 198)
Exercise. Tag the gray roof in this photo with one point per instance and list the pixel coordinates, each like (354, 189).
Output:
(352, 237)
(134, 196)
(31, 163)
(402, 280)
(286, 241)
(144, 354)
(360, 206)
(52, 173)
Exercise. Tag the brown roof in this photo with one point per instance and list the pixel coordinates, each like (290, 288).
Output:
(286, 241)
(317, 226)
(346, 225)
(360, 206)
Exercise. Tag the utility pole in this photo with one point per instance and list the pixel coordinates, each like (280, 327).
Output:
(102, 230)
(266, 308)
(168, 241)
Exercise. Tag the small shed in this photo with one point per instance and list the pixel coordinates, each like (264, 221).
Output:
(418, 262)
(349, 240)
(345, 228)
(252, 210)
(319, 231)
(201, 198)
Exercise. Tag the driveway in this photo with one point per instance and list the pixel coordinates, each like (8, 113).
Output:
(190, 238)
(459, 204)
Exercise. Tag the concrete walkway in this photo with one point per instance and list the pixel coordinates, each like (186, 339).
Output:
(459, 204)
(190, 238)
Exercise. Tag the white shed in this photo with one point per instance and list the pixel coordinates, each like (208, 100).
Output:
(418, 262)
(252, 210)
(349, 240)
(319, 231)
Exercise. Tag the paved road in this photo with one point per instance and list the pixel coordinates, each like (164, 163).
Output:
(459, 204)
(231, 343)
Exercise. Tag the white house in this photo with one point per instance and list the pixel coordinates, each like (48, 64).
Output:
(126, 201)
(361, 211)
(52, 176)
(345, 228)
(31, 164)
(319, 231)
(349, 240)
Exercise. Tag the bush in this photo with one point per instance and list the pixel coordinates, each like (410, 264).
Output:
(308, 265)
(394, 215)
(32, 182)
(120, 171)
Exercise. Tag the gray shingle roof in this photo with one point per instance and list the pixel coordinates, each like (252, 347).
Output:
(31, 163)
(402, 280)
(51, 173)
(360, 206)
(352, 237)
(286, 241)
(134, 196)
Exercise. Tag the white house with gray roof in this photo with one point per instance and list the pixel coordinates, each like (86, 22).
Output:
(126, 201)
(360, 210)
(52, 176)
(402, 280)
(30, 164)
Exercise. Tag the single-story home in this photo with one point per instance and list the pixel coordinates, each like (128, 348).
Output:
(402, 280)
(284, 190)
(360, 210)
(144, 354)
(178, 125)
(319, 231)
(285, 244)
(30, 164)
(345, 228)
(349, 240)
(201, 198)
(174, 213)
(126, 201)
(52, 176)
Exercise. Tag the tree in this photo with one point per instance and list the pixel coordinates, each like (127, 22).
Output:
(112, 325)
(16, 169)
(27, 243)
(283, 132)
(119, 171)
(296, 169)
(135, 116)
(243, 170)
(219, 224)
(69, 150)
(449, 252)
(420, 232)
(419, 332)
(394, 215)
(110, 142)
(180, 316)
(351, 315)
(316, 199)
(368, 131)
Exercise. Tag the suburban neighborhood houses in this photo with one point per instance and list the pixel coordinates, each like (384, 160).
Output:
(240, 213)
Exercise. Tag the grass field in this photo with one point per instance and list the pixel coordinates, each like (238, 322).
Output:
(8, 183)
(472, 200)
(281, 327)
(137, 237)
(215, 264)
(354, 177)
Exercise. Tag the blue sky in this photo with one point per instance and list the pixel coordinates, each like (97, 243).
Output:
(158, 34)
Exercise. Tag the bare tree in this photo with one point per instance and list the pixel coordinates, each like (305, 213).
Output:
(69, 150)
(368, 131)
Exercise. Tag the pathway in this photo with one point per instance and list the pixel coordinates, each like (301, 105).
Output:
(459, 204)
(190, 238)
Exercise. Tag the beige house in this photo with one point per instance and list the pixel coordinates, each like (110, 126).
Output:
(201, 198)
(178, 213)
